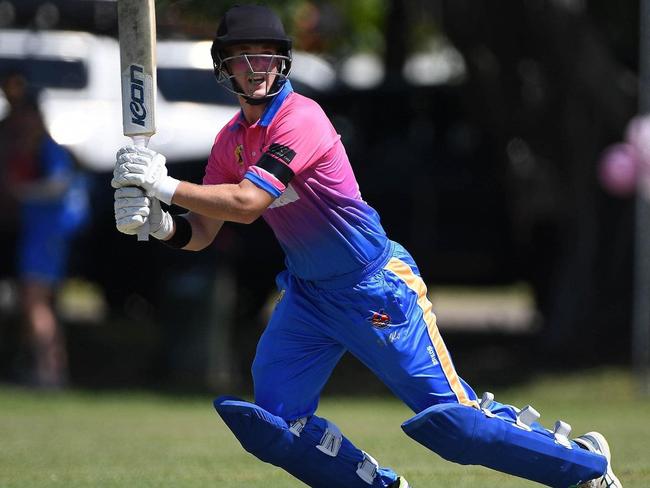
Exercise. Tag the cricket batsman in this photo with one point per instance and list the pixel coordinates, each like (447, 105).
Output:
(346, 287)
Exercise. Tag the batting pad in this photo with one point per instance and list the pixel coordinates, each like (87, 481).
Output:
(311, 449)
(466, 435)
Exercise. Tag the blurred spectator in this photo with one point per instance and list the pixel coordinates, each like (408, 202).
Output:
(42, 190)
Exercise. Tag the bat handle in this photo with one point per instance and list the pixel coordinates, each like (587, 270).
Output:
(143, 231)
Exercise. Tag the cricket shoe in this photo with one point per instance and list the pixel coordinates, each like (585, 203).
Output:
(595, 442)
(400, 482)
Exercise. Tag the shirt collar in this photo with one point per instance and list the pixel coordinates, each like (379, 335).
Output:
(270, 110)
(275, 104)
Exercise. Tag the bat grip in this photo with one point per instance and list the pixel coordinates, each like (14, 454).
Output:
(143, 231)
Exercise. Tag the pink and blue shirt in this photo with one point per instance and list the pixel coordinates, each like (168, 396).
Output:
(294, 153)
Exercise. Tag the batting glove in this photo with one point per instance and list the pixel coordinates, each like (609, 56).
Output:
(133, 208)
(139, 166)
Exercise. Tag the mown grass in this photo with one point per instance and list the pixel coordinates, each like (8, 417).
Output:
(141, 439)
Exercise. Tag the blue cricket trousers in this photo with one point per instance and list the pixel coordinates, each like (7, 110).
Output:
(381, 315)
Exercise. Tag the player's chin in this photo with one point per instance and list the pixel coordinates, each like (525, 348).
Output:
(259, 92)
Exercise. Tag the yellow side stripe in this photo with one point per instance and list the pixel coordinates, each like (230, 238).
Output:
(415, 283)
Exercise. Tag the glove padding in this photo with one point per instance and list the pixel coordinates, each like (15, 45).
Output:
(133, 208)
(144, 168)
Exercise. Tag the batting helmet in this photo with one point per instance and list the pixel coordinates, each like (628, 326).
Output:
(250, 23)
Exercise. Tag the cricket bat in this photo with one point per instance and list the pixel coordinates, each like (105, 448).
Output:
(137, 35)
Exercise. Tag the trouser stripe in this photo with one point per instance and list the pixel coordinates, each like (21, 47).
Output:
(415, 283)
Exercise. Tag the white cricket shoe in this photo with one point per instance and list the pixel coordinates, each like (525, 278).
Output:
(596, 442)
(400, 483)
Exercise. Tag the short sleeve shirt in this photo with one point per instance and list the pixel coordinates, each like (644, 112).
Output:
(294, 153)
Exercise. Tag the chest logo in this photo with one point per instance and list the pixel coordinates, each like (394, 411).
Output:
(238, 154)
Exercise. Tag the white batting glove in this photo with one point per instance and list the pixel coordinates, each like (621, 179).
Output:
(161, 223)
(133, 208)
(139, 166)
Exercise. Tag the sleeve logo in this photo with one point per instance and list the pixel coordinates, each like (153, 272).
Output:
(283, 153)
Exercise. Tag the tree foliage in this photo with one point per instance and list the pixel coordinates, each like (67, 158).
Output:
(333, 27)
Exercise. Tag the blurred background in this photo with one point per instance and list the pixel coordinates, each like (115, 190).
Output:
(499, 141)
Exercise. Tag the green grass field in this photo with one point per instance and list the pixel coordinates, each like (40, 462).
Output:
(132, 439)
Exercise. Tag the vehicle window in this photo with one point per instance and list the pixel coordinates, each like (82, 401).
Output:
(48, 73)
(192, 85)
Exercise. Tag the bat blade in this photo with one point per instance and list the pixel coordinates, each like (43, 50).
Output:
(137, 36)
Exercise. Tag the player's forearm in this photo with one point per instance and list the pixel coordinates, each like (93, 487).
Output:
(204, 230)
(224, 202)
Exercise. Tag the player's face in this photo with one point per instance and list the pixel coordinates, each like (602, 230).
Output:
(254, 67)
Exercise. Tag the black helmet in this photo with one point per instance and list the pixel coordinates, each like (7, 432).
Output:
(250, 23)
